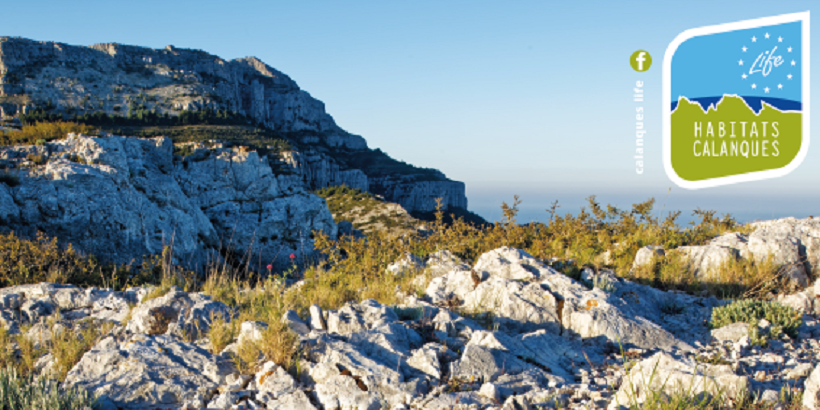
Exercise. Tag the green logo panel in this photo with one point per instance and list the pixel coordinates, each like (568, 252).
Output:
(730, 139)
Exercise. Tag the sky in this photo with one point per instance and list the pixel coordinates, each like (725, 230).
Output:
(739, 66)
(532, 98)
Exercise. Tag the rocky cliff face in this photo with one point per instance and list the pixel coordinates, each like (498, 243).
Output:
(115, 78)
(419, 195)
(122, 198)
(319, 171)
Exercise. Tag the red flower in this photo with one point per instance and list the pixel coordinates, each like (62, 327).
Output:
(292, 256)
(270, 267)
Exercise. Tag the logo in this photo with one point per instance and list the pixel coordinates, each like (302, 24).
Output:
(736, 101)
(640, 61)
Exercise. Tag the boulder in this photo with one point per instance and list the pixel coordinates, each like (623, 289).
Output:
(317, 318)
(448, 401)
(179, 313)
(274, 381)
(451, 287)
(732, 332)
(356, 317)
(442, 262)
(295, 323)
(297, 400)
(426, 360)
(251, 331)
(515, 307)
(664, 373)
(344, 392)
(509, 263)
(408, 263)
(811, 392)
(644, 255)
(149, 371)
(706, 260)
(792, 242)
(483, 363)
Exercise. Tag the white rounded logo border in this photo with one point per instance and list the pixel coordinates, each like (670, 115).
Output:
(667, 98)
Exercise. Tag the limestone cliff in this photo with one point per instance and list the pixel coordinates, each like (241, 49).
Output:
(121, 198)
(119, 79)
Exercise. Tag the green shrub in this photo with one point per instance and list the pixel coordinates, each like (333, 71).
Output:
(783, 318)
(9, 179)
(29, 392)
(37, 159)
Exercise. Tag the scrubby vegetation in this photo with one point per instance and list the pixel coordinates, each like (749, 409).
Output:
(40, 393)
(751, 312)
(365, 211)
(139, 115)
(452, 214)
(42, 259)
(577, 241)
(35, 133)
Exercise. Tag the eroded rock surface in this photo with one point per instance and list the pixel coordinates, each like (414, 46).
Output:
(121, 198)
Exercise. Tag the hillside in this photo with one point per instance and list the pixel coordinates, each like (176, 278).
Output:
(115, 86)
(366, 212)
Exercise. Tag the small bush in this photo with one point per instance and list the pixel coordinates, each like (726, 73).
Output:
(29, 353)
(279, 344)
(247, 356)
(751, 311)
(221, 334)
(29, 392)
(37, 159)
(672, 308)
(69, 345)
(9, 179)
(6, 349)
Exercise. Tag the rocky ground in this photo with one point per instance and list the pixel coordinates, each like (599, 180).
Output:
(507, 331)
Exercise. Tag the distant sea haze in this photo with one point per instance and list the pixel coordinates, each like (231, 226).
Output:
(744, 208)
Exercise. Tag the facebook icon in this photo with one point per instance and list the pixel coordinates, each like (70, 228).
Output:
(640, 61)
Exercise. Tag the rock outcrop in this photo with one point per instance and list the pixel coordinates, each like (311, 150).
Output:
(793, 244)
(419, 195)
(121, 198)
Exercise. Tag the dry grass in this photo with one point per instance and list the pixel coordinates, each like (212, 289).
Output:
(68, 345)
(222, 333)
(7, 353)
(741, 278)
(43, 131)
(29, 353)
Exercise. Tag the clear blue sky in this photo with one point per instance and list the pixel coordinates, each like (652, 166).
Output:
(529, 98)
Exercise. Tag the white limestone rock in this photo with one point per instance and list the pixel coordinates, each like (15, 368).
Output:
(149, 371)
(732, 332)
(510, 263)
(811, 392)
(670, 374)
(292, 319)
(706, 260)
(407, 264)
(179, 313)
(442, 262)
(644, 255)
